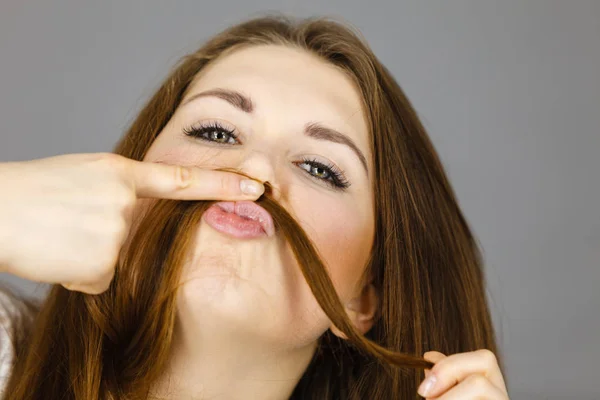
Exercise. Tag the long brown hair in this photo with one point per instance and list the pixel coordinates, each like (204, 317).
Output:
(425, 262)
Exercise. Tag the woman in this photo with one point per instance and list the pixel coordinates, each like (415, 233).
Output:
(355, 260)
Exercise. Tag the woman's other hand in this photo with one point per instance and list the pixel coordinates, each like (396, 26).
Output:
(463, 376)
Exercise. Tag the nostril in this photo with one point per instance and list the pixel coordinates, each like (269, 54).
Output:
(268, 188)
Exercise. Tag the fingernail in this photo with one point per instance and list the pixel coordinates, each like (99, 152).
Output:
(248, 186)
(427, 386)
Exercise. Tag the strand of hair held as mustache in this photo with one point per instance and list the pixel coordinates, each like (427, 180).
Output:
(185, 215)
(322, 287)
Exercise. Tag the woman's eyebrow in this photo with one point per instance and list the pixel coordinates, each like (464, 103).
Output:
(320, 132)
(314, 130)
(233, 97)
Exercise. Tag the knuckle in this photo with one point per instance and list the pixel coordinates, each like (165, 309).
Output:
(105, 265)
(110, 160)
(478, 382)
(114, 168)
(183, 176)
(227, 185)
(488, 356)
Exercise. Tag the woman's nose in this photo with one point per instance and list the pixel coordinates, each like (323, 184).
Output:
(260, 165)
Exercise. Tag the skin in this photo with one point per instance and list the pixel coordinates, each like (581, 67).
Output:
(247, 321)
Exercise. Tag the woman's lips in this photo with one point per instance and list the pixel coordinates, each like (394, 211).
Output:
(240, 219)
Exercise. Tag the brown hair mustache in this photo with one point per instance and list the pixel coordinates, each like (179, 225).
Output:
(162, 240)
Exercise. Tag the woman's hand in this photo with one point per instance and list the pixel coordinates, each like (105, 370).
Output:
(463, 376)
(64, 219)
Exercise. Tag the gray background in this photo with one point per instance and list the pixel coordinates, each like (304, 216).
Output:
(509, 91)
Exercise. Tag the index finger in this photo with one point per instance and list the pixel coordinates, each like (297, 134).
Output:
(179, 182)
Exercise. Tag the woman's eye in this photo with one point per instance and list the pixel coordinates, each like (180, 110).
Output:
(316, 171)
(219, 136)
(213, 133)
(326, 173)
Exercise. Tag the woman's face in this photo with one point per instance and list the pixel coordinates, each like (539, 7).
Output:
(297, 123)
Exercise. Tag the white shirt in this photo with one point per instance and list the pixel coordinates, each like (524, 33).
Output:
(12, 312)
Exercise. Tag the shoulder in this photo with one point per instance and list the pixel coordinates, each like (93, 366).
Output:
(16, 314)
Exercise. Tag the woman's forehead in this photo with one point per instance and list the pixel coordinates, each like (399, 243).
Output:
(291, 82)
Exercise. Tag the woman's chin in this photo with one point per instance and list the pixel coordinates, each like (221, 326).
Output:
(219, 302)
(219, 292)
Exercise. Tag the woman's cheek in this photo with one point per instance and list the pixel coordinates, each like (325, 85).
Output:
(343, 238)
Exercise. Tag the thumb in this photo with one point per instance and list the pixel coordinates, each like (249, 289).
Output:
(180, 182)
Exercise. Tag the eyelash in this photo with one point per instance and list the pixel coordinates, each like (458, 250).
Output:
(200, 131)
(335, 178)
